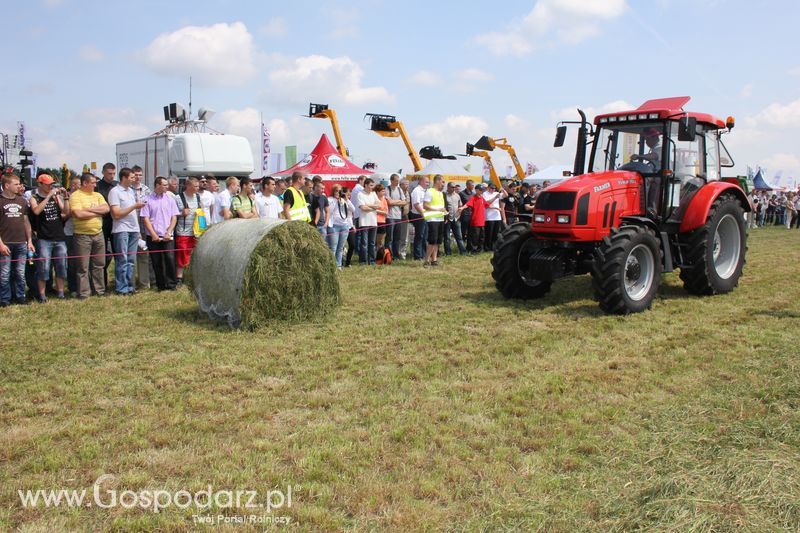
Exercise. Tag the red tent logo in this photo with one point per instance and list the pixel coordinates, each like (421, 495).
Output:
(335, 161)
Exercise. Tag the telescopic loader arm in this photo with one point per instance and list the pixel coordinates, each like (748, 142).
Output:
(389, 126)
(322, 111)
(488, 158)
(487, 143)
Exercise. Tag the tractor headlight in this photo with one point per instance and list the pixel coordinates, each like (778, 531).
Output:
(538, 218)
(562, 219)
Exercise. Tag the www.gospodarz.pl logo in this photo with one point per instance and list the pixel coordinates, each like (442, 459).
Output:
(155, 500)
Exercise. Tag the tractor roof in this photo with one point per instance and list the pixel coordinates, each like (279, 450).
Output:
(662, 108)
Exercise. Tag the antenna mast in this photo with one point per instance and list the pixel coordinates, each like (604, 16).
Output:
(190, 98)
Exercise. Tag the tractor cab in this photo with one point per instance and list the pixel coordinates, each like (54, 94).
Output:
(650, 200)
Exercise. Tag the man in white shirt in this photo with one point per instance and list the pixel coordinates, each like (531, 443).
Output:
(369, 221)
(493, 217)
(223, 205)
(417, 219)
(124, 231)
(355, 195)
(268, 205)
(207, 199)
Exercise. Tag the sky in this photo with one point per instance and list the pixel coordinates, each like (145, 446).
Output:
(84, 75)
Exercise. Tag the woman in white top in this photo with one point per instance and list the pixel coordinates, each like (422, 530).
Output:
(340, 220)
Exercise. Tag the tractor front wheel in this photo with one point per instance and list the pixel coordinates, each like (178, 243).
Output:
(715, 251)
(627, 270)
(510, 264)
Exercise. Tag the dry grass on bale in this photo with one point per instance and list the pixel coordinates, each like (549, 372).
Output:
(291, 276)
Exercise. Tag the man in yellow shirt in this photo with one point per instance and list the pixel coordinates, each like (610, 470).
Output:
(88, 208)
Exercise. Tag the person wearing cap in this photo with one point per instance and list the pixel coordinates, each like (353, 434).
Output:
(478, 204)
(652, 160)
(452, 200)
(512, 203)
(494, 217)
(49, 210)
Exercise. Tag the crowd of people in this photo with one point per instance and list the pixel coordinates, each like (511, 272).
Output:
(61, 241)
(775, 209)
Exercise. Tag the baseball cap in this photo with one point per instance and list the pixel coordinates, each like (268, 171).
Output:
(480, 186)
(492, 186)
(45, 179)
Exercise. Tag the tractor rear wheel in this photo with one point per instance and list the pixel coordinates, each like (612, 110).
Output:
(715, 251)
(510, 267)
(627, 270)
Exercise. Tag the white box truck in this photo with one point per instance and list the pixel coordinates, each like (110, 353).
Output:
(187, 154)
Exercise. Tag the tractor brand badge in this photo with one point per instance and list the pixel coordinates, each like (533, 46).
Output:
(548, 219)
(602, 187)
(307, 159)
(626, 182)
(335, 161)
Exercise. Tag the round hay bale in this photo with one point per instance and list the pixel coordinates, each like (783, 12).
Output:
(252, 271)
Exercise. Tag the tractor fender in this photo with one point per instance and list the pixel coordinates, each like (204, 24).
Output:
(697, 211)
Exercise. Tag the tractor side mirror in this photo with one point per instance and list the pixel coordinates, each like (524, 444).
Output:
(561, 134)
(687, 129)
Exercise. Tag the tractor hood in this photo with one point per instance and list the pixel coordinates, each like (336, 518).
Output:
(586, 207)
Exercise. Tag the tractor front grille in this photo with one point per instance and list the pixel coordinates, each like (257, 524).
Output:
(555, 201)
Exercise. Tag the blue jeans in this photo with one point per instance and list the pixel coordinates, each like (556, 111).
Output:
(337, 237)
(420, 235)
(126, 243)
(393, 236)
(55, 251)
(455, 227)
(15, 287)
(359, 241)
(368, 244)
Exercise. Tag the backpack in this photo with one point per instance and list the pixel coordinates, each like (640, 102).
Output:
(383, 256)
(200, 223)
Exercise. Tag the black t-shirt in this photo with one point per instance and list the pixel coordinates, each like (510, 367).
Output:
(512, 206)
(48, 224)
(529, 200)
(319, 202)
(12, 219)
(465, 196)
(103, 187)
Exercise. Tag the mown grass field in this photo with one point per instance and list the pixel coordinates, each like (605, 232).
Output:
(425, 402)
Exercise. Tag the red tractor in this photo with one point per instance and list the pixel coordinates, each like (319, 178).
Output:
(652, 200)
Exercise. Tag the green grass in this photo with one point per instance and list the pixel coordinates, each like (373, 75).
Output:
(425, 401)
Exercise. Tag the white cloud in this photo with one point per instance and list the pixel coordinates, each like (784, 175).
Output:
(333, 79)
(552, 21)
(275, 27)
(426, 78)
(474, 75)
(344, 23)
(788, 163)
(454, 130)
(571, 113)
(746, 91)
(514, 122)
(91, 53)
(779, 115)
(221, 54)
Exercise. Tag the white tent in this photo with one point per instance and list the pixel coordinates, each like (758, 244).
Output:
(452, 170)
(553, 174)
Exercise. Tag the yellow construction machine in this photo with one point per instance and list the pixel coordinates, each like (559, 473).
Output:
(323, 111)
(488, 158)
(389, 126)
(488, 144)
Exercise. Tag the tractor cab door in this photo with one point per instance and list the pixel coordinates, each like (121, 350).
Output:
(693, 164)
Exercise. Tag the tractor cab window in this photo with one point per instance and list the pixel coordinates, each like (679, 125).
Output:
(686, 159)
(712, 155)
(636, 147)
